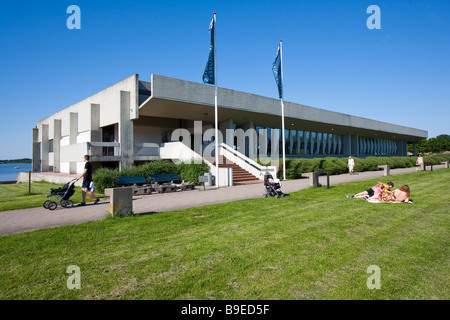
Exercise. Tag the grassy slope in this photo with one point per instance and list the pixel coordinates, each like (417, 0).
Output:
(314, 244)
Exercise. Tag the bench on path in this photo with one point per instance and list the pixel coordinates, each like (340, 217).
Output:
(163, 183)
(138, 183)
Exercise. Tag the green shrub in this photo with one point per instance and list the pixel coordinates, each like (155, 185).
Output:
(191, 171)
(158, 167)
(105, 178)
(334, 166)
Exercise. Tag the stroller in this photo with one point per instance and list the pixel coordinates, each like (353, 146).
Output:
(62, 196)
(273, 187)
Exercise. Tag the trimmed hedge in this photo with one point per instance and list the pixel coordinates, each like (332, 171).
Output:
(295, 167)
(107, 178)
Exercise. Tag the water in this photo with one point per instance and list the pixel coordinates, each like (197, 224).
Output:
(8, 172)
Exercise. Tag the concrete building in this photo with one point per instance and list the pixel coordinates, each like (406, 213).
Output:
(133, 121)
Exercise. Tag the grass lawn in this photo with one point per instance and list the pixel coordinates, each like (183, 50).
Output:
(16, 196)
(313, 244)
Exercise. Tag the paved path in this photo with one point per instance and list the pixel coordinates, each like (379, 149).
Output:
(24, 220)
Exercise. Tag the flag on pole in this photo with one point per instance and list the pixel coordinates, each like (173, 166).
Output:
(277, 72)
(277, 69)
(208, 75)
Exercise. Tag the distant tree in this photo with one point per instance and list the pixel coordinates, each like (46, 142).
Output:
(439, 144)
(443, 136)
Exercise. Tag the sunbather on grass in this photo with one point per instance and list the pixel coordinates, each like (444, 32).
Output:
(374, 191)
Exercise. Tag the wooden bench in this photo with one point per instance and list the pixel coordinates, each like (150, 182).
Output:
(143, 188)
(163, 183)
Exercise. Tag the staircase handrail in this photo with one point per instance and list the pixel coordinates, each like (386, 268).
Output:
(246, 163)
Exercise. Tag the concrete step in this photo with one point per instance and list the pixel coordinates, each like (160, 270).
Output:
(240, 175)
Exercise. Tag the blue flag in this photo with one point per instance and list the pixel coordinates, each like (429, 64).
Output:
(208, 75)
(277, 72)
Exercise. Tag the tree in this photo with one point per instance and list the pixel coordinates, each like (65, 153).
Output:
(439, 144)
(443, 136)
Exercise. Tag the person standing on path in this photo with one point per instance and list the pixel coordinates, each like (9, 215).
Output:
(419, 162)
(87, 178)
(351, 164)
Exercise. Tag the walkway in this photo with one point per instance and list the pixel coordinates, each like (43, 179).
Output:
(26, 220)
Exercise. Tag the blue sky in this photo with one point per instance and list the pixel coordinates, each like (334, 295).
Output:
(399, 74)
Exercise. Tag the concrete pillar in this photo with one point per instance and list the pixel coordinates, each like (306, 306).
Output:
(334, 143)
(262, 144)
(299, 137)
(305, 142)
(401, 148)
(340, 144)
(73, 134)
(292, 135)
(73, 131)
(404, 148)
(57, 145)
(329, 142)
(96, 135)
(275, 144)
(36, 162)
(198, 137)
(44, 148)
(414, 149)
(250, 148)
(311, 143)
(318, 141)
(324, 143)
(125, 132)
(347, 145)
(354, 151)
(228, 137)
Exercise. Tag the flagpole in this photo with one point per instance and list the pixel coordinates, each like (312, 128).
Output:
(216, 116)
(282, 112)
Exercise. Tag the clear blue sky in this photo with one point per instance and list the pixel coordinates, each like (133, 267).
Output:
(399, 74)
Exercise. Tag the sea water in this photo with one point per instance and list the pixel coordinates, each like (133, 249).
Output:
(9, 172)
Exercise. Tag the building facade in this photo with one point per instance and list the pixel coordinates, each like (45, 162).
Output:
(132, 121)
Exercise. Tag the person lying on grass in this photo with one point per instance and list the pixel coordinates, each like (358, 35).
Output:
(374, 191)
(401, 194)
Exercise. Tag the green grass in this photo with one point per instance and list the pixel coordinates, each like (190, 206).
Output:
(313, 244)
(16, 196)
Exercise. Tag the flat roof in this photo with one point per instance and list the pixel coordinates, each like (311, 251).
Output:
(181, 99)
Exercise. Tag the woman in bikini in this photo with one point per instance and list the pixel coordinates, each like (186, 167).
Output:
(401, 194)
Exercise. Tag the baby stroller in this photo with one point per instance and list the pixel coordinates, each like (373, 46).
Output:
(62, 196)
(273, 187)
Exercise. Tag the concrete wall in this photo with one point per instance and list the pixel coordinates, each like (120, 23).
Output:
(82, 122)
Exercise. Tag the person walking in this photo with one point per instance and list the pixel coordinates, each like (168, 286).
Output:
(351, 164)
(87, 179)
(419, 162)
